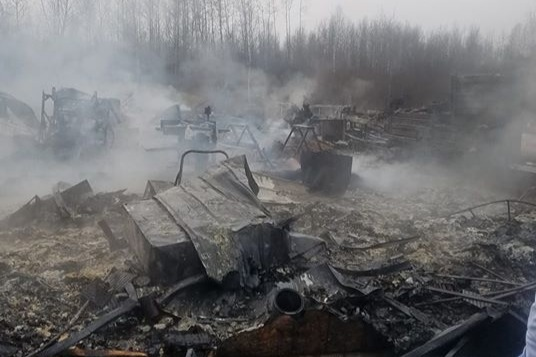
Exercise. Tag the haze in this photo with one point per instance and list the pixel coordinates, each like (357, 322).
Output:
(492, 16)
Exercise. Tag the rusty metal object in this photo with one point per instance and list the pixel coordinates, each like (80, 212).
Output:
(315, 333)
(326, 171)
(178, 179)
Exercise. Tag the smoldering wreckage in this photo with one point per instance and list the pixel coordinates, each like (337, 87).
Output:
(243, 262)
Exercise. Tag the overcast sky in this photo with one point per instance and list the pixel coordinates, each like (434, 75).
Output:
(492, 16)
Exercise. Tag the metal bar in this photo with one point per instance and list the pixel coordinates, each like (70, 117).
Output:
(242, 134)
(288, 138)
(409, 311)
(518, 317)
(304, 137)
(231, 127)
(384, 244)
(178, 179)
(469, 297)
(440, 301)
(489, 204)
(102, 321)
(489, 271)
(258, 147)
(181, 285)
(509, 210)
(507, 293)
(458, 277)
(495, 295)
(449, 335)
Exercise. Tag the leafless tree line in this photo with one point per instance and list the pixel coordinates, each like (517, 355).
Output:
(385, 56)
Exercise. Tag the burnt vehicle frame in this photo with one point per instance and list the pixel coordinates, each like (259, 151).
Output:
(77, 123)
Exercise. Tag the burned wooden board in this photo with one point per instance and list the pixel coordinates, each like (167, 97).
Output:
(164, 250)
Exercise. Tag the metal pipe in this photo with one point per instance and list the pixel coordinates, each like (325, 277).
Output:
(178, 179)
(288, 302)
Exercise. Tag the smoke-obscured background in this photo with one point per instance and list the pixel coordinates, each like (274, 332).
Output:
(188, 44)
(240, 56)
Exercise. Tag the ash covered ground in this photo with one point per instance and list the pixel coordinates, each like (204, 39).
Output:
(47, 266)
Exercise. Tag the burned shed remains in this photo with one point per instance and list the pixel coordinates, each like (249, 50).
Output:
(216, 215)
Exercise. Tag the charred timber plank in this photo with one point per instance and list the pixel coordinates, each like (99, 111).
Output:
(104, 320)
(190, 340)
(450, 335)
(64, 331)
(78, 352)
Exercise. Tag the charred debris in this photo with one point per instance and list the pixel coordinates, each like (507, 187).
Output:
(72, 124)
(236, 261)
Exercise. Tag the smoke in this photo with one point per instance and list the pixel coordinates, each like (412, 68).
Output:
(29, 67)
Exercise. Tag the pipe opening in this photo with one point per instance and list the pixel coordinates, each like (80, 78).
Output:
(289, 302)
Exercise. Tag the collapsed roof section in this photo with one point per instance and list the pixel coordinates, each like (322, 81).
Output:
(218, 215)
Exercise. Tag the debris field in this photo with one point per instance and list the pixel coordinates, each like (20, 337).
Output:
(265, 267)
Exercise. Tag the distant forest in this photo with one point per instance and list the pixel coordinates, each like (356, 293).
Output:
(370, 60)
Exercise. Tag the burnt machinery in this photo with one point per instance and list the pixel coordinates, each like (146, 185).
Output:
(77, 123)
(207, 131)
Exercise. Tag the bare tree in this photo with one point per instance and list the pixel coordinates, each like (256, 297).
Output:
(19, 8)
(57, 14)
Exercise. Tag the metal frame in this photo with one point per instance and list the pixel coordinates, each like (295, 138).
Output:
(178, 179)
(508, 207)
(243, 129)
(304, 131)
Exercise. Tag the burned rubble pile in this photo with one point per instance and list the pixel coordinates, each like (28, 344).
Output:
(240, 263)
